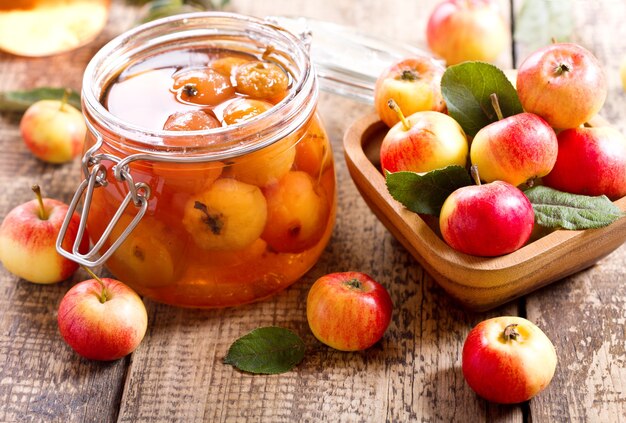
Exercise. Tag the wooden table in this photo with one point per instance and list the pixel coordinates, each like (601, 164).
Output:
(177, 374)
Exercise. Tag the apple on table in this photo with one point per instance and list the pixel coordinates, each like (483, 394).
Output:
(102, 319)
(508, 359)
(348, 311)
(28, 236)
(53, 130)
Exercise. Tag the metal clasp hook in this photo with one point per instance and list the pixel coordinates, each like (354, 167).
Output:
(96, 176)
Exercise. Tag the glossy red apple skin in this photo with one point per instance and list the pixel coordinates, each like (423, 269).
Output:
(98, 330)
(461, 30)
(414, 83)
(504, 370)
(27, 242)
(348, 311)
(54, 132)
(486, 220)
(515, 149)
(591, 161)
(563, 83)
(434, 141)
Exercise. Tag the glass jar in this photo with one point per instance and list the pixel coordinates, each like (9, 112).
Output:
(207, 218)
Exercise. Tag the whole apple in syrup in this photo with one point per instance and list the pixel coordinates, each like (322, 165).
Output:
(515, 149)
(102, 319)
(414, 84)
(486, 220)
(563, 83)
(461, 30)
(508, 359)
(591, 161)
(423, 142)
(53, 130)
(348, 311)
(28, 238)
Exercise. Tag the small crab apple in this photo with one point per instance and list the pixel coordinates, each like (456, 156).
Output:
(591, 161)
(515, 149)
(486, 220)
(242, 109)
(262, 80)
(193, 120)
(423, 142)
(149, 255)
(102, 319)
(53, 130)
(348, 311)
(414, 83)
(297, 213)
(28, 236)
(461, 30)
(313, 151)
(229, 215)
(202, 86)
(563, 83)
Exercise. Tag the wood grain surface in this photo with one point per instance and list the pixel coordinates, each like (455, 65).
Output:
(413, 374)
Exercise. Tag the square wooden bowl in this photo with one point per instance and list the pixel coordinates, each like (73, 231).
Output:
(477, 283)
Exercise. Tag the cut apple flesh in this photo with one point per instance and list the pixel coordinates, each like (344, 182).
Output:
(46, 27)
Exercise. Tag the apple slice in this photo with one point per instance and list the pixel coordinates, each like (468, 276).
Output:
(45, 27)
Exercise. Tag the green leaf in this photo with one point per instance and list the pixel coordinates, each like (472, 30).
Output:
(539, 21)
(267, 350)
(556, 209)
(19, 101)
(425, 193)
(157, 9)
(466, 87)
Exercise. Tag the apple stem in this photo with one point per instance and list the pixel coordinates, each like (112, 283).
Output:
(43, 215)
(561, 69)
(354, 283)
(104, 294)
(66, 96)
(496, 105)
(394, 106)
(475, 174)
(510, 332)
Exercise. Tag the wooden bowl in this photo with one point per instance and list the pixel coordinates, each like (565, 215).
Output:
(477, 283)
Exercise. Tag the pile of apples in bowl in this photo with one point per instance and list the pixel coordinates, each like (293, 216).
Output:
(496, 183)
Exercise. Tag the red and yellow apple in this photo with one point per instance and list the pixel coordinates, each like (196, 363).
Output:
(590, 161)
(461, 30)
(508, 360)
(28, 236)
(563, 83)
(423, 142)
(53, 131)
(102, 319)
(486, 220)
(515, 149)
(414, 83)
(348, 311)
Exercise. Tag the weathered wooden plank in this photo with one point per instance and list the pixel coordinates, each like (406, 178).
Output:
(41, 378)
(584, 314)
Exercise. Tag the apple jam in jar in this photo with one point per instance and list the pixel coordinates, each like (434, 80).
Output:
(209, 178)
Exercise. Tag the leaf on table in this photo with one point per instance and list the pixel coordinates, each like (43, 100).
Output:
(19, 101)
(539, 21)
(425, 193)
(467, 88)
(267, 350)
(556, 209)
